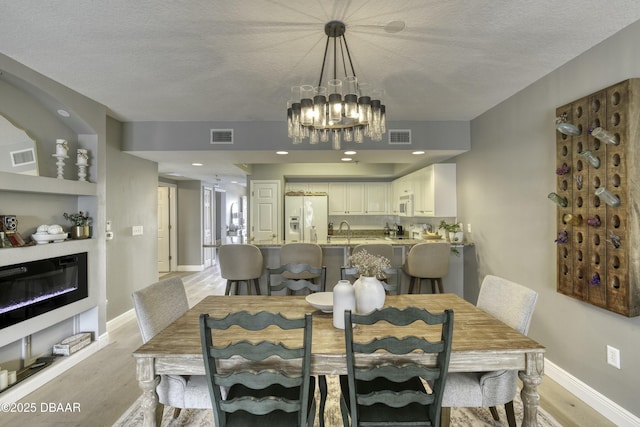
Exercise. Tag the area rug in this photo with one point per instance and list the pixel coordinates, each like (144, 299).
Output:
(460, 417)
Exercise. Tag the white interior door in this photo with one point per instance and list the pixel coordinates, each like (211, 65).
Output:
(265, 210)
(207, 225)
(164, 264)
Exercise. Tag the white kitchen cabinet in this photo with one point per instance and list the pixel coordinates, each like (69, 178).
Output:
(435, 190)
(400, 187)
(376, 198)
(346, 198)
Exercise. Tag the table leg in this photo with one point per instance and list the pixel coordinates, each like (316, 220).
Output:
(322, 383)
(148, 381)
(531, 377)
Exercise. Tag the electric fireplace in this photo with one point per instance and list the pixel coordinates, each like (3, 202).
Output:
(37, 287)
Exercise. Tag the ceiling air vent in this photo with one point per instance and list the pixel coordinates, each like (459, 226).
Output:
(221, 136)
(400, 136)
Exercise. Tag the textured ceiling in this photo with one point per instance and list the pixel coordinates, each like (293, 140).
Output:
(167, 60)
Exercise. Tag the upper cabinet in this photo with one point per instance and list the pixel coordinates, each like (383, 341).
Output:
(346, 198)
(376, 198)
(433, 189)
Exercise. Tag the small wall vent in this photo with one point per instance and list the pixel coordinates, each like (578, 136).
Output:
(23, 157)
(400, 136)
(221, 136)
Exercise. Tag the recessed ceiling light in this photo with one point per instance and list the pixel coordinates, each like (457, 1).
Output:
(346, 159)
(234, 182)
(196, 164)
(282, 153)
(418, 152)
(349, 153)
(63, 113)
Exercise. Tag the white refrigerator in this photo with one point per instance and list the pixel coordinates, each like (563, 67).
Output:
(302, 214)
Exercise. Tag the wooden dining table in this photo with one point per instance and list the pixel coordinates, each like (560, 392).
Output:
(480, 343)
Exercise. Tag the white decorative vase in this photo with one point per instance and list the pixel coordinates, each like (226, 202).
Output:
(344, 298)
(370, 294)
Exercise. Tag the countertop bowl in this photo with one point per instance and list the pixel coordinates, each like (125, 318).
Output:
(321, 301)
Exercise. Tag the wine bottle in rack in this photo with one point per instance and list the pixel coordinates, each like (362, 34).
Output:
(605, 136)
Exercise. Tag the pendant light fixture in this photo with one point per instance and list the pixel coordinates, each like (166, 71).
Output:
(342, 108)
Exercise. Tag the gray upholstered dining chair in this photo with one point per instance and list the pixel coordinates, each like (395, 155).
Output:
(428, 261)
(513, 304)
(257, 395)
(241, 263)
(391, 392)
(156, 307)
(380, 249)
(301, 253)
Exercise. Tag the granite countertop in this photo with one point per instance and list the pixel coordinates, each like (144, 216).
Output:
(358, 237)
(354, 241)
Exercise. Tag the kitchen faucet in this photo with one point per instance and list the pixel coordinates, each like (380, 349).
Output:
(344, 221)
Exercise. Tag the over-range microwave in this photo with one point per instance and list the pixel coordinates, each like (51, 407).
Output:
(406, 205)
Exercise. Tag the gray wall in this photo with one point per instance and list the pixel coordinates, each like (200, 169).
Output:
(502, 187)
(190, 223)
(132, 261)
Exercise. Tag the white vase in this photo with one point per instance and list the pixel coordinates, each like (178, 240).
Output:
(370, 294)
(344, 298)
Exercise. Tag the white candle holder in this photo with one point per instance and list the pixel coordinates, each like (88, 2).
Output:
(60, 164)
(82, 171)
(82, 163)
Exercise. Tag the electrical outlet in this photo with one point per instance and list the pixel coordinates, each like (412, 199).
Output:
(613, 356)
(136, 230)
(469, 228)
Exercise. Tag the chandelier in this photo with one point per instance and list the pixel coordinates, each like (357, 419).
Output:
(343, 109)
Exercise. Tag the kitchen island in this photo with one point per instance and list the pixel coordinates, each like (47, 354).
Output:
(336, 251)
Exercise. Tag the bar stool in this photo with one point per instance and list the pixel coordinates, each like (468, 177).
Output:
(428, 261)
(380, 249)
(241, 263)
(301, 253)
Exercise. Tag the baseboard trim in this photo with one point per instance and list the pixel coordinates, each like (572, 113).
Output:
(119, 321)
(605, 406)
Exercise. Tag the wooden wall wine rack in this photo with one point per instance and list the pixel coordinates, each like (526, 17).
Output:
(600, 264)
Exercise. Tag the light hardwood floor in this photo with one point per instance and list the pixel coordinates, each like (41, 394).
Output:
(104, 385)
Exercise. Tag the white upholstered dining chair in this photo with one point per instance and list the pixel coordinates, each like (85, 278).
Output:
(513, 304)
(157, 306)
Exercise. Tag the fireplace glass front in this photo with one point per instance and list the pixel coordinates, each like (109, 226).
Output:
(37, 287)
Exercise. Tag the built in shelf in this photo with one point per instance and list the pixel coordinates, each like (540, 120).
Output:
(10, 256)
(41, 376)
(45, 185)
